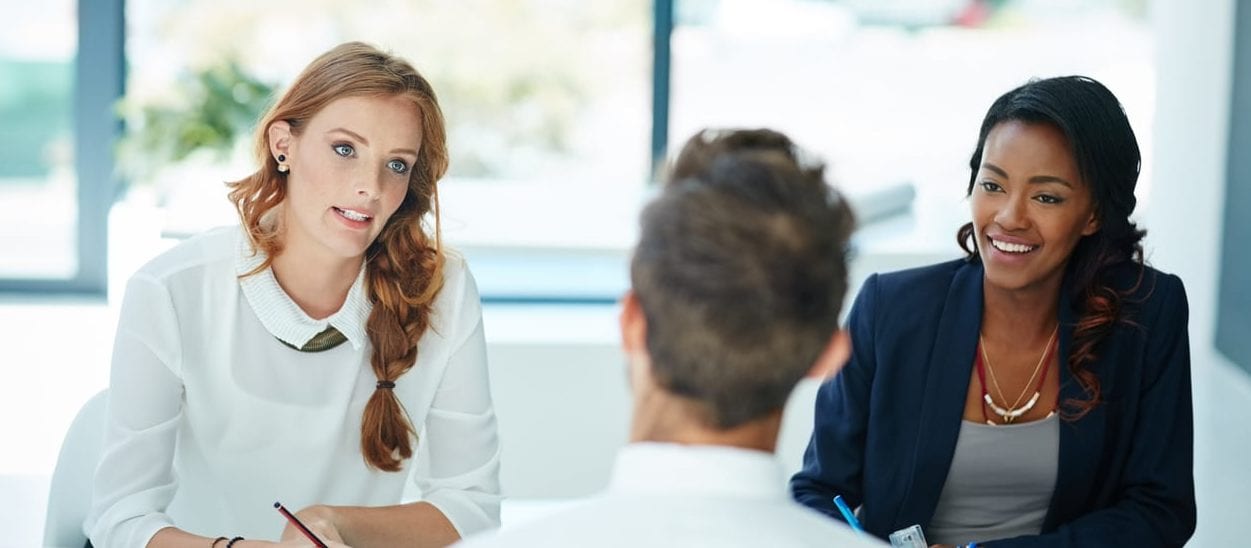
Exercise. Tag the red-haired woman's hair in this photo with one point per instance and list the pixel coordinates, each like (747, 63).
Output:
(1107, 156)
(404, 266)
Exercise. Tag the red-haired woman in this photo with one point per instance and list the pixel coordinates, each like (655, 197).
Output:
(299, 357)
(1036, 392)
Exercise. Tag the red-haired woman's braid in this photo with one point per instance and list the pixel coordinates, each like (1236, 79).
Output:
(402, 290)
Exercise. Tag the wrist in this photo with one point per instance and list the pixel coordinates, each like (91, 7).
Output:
(229, 542)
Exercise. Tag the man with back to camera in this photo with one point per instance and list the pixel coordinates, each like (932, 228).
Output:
(737, 283)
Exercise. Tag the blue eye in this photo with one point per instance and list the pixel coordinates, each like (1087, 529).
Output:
(343, 150)
(397, 166)
(989, 186)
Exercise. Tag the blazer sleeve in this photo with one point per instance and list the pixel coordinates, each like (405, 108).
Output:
(834, 460)
(1156, 506)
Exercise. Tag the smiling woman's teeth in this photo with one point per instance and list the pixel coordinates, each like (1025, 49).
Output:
(352, 215)
(1011, 248)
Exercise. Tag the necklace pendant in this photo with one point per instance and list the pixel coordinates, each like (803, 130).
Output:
(1010, 415)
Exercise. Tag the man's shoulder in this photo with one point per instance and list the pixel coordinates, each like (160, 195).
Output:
(566, 527)
(675, 521)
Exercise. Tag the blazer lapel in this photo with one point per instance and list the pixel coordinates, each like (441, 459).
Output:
(946, 384)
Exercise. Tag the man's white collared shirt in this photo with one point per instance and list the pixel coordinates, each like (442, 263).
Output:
(685, 495)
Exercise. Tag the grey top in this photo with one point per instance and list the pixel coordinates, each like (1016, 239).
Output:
(1000, 483)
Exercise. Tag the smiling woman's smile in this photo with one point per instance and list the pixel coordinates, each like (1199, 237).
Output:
(1009, 247)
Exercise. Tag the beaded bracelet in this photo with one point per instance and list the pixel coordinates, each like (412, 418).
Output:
(217, 540)
(233, 541)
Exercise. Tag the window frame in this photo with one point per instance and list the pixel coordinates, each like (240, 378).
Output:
(99, 80)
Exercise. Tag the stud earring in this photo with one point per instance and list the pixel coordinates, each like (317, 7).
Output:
(283, 168)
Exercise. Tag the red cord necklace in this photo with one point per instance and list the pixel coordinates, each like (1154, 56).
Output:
(1010, 414)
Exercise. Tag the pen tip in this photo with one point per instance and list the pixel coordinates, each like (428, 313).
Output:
(277, 505)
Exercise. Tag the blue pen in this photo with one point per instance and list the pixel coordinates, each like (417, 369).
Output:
(847, 515)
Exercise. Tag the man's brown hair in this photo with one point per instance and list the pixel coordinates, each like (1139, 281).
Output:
(741, 272)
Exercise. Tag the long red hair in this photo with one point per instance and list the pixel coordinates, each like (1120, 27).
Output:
(404, 266)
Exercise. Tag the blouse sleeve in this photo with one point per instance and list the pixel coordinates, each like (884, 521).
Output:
(834, 460)
(1156, 506)
(134, 481)
(461, 478)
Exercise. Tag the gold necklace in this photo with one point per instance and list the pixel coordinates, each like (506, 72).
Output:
(1011, 413)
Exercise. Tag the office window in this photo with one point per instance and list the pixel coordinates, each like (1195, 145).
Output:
(549, 108)
(892, 93)
(38, 183)
(546, 102)
(547, 105)
(1233, 317)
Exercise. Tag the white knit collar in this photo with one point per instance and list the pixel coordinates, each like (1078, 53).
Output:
(283, 318)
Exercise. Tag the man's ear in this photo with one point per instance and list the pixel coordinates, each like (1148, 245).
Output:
(833, 357)
(633, 324)
(279, 134)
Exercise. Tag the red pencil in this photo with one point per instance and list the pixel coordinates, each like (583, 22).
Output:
(291, 518)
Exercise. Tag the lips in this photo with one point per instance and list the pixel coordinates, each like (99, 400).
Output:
(1014, 248)
(353, 215)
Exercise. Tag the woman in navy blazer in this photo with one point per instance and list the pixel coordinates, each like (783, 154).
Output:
(1054, 283)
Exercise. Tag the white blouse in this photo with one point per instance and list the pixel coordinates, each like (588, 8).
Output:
(212, 418)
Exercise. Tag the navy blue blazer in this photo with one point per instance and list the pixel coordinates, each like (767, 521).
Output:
(886, 425)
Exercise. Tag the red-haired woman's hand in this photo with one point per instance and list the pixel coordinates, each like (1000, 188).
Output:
(320, 520)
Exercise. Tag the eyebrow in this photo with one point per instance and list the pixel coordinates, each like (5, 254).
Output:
(365, 141)
(1037, 179)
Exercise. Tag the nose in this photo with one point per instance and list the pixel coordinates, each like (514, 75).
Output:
(369, 184)
(1012, 214)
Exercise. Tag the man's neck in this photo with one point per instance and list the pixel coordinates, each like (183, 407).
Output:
(665, 418)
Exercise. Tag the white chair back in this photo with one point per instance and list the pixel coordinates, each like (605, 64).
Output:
(69, 497)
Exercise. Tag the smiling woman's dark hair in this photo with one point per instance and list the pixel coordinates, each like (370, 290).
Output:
(1107, 156)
